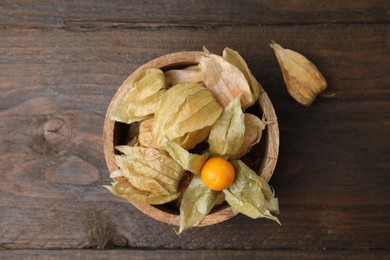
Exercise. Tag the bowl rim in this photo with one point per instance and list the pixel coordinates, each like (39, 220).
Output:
(187, 58)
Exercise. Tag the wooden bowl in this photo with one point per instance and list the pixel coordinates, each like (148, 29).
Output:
(264, 154)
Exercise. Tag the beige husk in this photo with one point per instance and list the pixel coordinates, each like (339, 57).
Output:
(254, 127)
(140, 101)
(189, 74)
(145, 136)
(235, 59)
(188, 161)
(146, 175)
(225, 81)
(227, 134)
(303, 80)
(185, 115)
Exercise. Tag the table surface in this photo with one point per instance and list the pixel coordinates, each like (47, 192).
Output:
(62, 61)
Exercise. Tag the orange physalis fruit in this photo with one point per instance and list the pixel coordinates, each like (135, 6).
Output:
(217, 173)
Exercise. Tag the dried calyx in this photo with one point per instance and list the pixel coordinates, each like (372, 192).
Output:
(303, 80)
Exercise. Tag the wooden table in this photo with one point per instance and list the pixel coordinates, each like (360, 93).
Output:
(62, 61)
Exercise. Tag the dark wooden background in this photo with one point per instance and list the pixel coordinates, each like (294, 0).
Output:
(62, 61)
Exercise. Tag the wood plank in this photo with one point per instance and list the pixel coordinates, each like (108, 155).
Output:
(332, 177)
(206, 13)
(191, 254)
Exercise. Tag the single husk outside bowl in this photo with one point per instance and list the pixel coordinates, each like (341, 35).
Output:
(264, 154)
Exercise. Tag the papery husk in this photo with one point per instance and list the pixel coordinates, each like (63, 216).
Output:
(197, 202)
(178, 76)
(227, 134)
(188, 161)
(184, 183)
(149, 170)
(145, 135)
(160, 186)
(250, 194)
(141, 100)
(302, 78)
(124, 189)
(234, 58)
(185, 115)
(225, 81)
(254, 127)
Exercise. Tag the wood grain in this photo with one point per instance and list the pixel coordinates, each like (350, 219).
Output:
(191, 254)
(61, 63)
(331, 178)
(92, 14)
